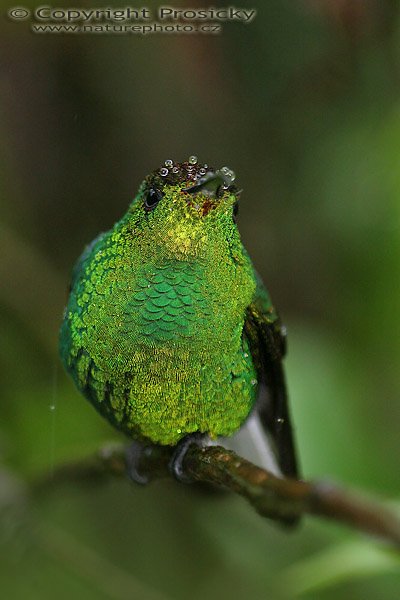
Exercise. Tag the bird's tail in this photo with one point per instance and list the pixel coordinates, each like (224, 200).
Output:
(253, 443)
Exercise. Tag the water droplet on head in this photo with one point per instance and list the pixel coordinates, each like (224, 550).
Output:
(229, 174)
(193, 160)
(163, 172)
(175, 170)
(202, 171)
(169, 163)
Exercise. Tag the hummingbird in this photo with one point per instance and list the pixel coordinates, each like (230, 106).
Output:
(169, 331)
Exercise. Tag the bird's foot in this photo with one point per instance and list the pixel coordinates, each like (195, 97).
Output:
(178, 456)
(133, 456)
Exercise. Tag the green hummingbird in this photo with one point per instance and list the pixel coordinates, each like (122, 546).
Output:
(169, 331)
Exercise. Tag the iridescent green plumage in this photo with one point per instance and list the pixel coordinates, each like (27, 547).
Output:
(154, 331)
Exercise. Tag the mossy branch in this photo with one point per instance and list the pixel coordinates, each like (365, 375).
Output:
(271, 496)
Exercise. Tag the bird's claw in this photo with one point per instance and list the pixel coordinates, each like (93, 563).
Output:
(133, 455)
(178, 456)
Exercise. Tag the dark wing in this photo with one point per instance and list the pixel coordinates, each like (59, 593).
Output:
(267, 340)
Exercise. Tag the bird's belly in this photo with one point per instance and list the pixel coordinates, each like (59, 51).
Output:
(169, 357)
(167, 395)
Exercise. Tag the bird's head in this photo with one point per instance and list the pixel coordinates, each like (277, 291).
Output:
(184, 208)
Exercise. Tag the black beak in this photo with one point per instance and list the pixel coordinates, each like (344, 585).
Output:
(212, 183)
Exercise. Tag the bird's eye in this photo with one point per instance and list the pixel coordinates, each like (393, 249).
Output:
(152, 198)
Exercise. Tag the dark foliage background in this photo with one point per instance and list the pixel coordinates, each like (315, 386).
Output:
(304, 103)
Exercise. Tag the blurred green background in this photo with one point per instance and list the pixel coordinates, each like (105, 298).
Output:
(304, 104)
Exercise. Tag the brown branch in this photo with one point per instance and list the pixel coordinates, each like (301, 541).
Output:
(272, 497)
